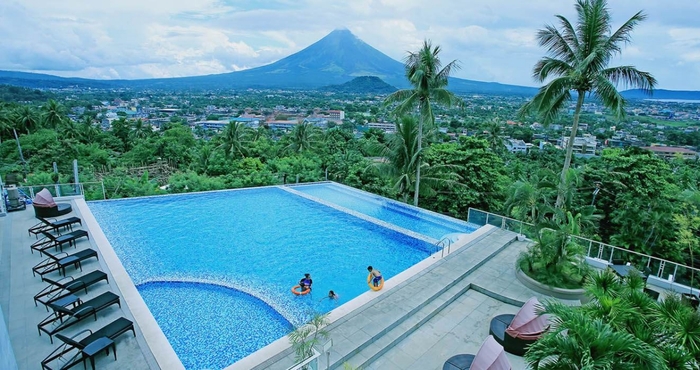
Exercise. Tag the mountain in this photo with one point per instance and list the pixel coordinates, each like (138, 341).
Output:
(662, 94)
(362, 85)
(335, 59)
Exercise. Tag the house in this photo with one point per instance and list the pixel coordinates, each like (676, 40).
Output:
(336, 115)
(515, 146)
(583, 145)
(670, 152)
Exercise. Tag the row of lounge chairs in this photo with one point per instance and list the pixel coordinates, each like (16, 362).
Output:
(507, 333)
(61, 296)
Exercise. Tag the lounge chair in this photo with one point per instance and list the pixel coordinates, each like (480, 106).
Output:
(58, 289)
(490, 357)
(45, 206)
(49, 240)
(61, 260)
(516, 332)
(55, 322)
(56, 225)
(70, 353)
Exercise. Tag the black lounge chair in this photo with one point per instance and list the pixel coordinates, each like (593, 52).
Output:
(76, 314)
(55, 225)
(60, 288)
(61, 260)
(516, 332)
(49, 240)
(490, 356)
(70, 353)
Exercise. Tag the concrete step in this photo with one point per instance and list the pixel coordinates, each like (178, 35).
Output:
(412, 322)
(420, 298)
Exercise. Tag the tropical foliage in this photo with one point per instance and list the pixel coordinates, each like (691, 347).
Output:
(578, 58)
(428, 78)
(621, 327)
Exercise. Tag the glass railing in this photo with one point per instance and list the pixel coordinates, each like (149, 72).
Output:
(672, 272)
(89, 190)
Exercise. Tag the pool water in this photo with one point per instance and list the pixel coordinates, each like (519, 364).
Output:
(408, 217)
(200, 259)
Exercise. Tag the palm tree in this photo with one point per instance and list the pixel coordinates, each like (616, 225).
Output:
(25, 118)
(140, 130)
(427, 76)
(53, 114)
(303, 137)
(528, 194)
(494, 135)
(577, 341)
(578, 58)
(402, 155)
(235, 136)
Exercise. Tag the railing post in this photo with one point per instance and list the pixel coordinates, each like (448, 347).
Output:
(674, 273)
(487, 219)
(104, 194)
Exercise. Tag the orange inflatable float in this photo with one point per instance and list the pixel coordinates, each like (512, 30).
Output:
(371, 286)
(300, 292)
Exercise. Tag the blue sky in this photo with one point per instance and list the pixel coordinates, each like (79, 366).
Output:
(494, 40)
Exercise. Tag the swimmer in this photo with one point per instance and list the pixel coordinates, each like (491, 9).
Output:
(376, 274)
(332, 295)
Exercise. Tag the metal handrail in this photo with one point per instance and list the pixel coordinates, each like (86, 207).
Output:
(441, 245)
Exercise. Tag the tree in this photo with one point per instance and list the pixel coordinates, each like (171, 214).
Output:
(429, 80)
(578, 61)
(303, 137)
(53, 114)
(494, 135)
(25, 118)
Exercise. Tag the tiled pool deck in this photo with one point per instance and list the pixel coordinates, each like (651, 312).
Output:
(458, 326)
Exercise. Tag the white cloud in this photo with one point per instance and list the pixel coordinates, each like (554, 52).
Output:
(493, 39)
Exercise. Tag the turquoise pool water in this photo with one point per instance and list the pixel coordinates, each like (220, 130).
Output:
(396, 213)
(214, 262)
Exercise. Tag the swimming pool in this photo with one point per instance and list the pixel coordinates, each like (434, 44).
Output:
(402, 215)
(215, 268)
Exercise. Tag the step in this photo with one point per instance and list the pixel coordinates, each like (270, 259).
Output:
(423, 302)
(394, 336)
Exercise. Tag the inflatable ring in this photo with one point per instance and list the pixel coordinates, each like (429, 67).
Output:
(371, 286)
(300, 292)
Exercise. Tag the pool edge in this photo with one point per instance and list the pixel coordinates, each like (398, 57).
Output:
(153, 336)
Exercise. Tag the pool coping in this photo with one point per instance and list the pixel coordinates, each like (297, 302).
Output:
(153, 336)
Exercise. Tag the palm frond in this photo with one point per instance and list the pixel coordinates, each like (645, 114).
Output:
(630, 77)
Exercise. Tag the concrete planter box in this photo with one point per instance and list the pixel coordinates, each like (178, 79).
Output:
(560, 293)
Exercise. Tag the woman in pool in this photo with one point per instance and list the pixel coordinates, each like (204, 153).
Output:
(332, 295)
(306, 281)
(376, 274)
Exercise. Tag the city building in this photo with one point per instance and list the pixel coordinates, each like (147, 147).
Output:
(583, 145)
(336, 115)
(672, 152)
(388, 128)
(515, 146)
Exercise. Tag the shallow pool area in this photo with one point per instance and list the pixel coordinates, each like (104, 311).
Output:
(240, 250)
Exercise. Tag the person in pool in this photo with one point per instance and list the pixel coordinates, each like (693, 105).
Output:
(377, 275)
(332, 295)
(306, 281)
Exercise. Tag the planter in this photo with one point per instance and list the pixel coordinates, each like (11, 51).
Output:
(560, 293)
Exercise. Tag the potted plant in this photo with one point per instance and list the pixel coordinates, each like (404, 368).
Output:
(305, 338)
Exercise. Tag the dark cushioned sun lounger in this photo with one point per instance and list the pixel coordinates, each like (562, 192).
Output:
(55, 225)
(50, 240)
(73, 344)
(60, 288)
(59, 209)
(61, 260)
(74, 315)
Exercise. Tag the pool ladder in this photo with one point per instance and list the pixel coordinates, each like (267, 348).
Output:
(442, 244)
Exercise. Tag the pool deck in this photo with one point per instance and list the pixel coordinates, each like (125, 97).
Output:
(440, 309)
(18, 287)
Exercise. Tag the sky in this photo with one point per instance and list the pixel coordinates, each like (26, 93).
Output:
(493, 40)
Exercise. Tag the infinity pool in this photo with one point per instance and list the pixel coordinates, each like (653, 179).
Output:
(216, 268)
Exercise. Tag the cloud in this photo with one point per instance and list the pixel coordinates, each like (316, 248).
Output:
(494, 40)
